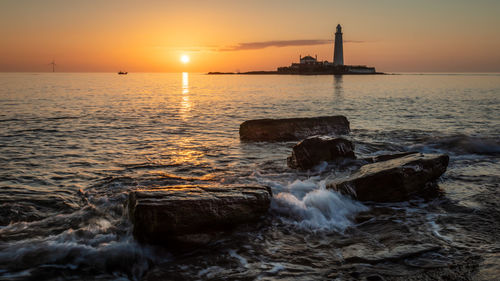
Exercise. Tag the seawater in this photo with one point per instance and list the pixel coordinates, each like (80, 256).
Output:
(72, 145)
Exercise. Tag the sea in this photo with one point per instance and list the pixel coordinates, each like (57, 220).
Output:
(73, 145)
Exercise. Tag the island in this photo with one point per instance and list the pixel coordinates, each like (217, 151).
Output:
(309, 65)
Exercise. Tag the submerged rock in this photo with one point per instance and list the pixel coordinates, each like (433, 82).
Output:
(393, 180)
(185, 213)
(361, 253)
(292, 128)
(314, 150)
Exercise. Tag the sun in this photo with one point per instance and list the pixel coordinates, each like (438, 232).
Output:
(184, 59)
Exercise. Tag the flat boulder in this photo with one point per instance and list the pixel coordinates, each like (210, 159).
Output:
(164, 214)
(395, 179)
(314, 150)
(292, 128)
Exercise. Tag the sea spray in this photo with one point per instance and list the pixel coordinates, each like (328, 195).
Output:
(310, 206)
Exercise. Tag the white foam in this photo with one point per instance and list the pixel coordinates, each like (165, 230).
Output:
(435, 228)
(241, 259)
(309, 205)
(300, 188)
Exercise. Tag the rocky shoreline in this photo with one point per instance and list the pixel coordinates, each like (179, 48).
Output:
(175, 216)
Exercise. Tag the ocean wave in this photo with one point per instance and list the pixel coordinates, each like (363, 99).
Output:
(95, 239)
(84, 250)
(459, 144)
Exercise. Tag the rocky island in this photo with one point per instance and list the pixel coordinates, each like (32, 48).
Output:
(309, 65)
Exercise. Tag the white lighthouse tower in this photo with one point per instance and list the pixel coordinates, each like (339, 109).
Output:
(338, 52)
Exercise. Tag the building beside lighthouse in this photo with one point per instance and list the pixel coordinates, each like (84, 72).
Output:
(308, 60)
(311, 65)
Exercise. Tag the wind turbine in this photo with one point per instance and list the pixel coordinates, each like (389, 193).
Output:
(53, 63)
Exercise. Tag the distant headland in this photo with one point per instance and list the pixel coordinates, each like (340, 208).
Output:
(309, 65)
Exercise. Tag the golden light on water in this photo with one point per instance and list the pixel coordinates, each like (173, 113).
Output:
(185, 103)
(185, 82)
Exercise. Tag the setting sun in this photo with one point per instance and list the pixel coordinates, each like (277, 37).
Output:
(184, 59)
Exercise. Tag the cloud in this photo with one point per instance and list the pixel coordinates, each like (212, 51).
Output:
(257, 45)
(279, 44)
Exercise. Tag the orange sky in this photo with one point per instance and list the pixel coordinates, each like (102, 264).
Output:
(150, 36)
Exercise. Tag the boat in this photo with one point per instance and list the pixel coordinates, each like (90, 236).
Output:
(122, 73)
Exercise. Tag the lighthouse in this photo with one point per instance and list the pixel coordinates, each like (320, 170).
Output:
(309, 65)
(338, 53)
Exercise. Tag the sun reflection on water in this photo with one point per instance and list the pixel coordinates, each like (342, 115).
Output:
(185, 102)
(185, 82)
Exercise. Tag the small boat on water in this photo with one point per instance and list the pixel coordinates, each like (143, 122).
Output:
(122, 73)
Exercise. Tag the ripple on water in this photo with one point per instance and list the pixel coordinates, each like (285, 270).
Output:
(73, 145)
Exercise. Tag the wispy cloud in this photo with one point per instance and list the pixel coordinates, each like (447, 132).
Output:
(276, 43)
(279, 43)
(259, 45)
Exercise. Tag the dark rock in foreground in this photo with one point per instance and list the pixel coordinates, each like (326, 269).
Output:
(292, 128)
(175, 212)
(314, 150)
(393, 180)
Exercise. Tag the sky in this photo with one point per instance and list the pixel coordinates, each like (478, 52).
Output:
(232, 35)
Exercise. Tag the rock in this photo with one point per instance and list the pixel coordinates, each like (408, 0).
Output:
(314, 150)
(393, 180)
(193, 212)
(292, 128)
(385, 157)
